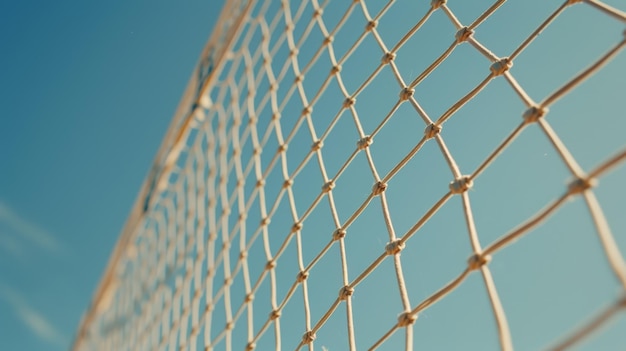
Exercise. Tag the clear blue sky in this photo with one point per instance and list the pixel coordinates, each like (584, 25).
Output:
(88, 90)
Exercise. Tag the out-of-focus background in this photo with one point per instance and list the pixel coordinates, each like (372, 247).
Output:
(87, 91)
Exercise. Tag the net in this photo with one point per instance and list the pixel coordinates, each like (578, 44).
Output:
(272, 220)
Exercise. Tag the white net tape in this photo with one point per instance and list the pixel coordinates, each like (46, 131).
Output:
(259, 227)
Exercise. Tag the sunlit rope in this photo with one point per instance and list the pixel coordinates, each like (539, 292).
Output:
(161, 291)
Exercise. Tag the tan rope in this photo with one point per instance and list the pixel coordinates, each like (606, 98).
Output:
(185, 255)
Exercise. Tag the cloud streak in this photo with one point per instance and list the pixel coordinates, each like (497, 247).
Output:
(10, 245)
(29, 230)
(31, 318)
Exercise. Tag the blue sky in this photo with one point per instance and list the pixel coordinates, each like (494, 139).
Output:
(88, 90)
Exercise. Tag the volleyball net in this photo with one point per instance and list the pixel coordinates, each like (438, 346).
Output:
(338, 169)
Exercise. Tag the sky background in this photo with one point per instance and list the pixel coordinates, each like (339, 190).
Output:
(88, 91)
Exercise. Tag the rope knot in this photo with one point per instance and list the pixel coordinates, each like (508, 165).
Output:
(318, 12)
(502, 65)
(364, 142)
(477, 260)
(336, 69)
(250, 346)
(271, 264)
(345, 292)
(328, 186)
(432, 130)
(388, 57)
(371, 25)
(252, 120)
(317, 145)
(348, 102)
(579, 185)
(274, 315)
(260, 183)
(379, 188)
(212, 236)
(463, 34)
(282, 148)
(406, 93)
(229, 325)
(328, 40)
(461, 185)
(308, 337)
(394, 247)
(435, 4)
(249, 298)
(532, 114)
(287, 183)
(302, 276)
(243, 255)
(296, 227)
(307, 110)
(405, 319)
(265, 221)
(339, 234)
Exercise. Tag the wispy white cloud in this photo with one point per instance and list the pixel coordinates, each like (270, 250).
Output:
(31, 318)
(28, 230)
(11, 246)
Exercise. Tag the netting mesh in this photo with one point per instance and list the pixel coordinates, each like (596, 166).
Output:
(263, 225)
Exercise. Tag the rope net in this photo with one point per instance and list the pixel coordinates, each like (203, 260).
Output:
(353, 175)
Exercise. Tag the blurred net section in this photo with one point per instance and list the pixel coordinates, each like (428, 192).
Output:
(232, 234)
